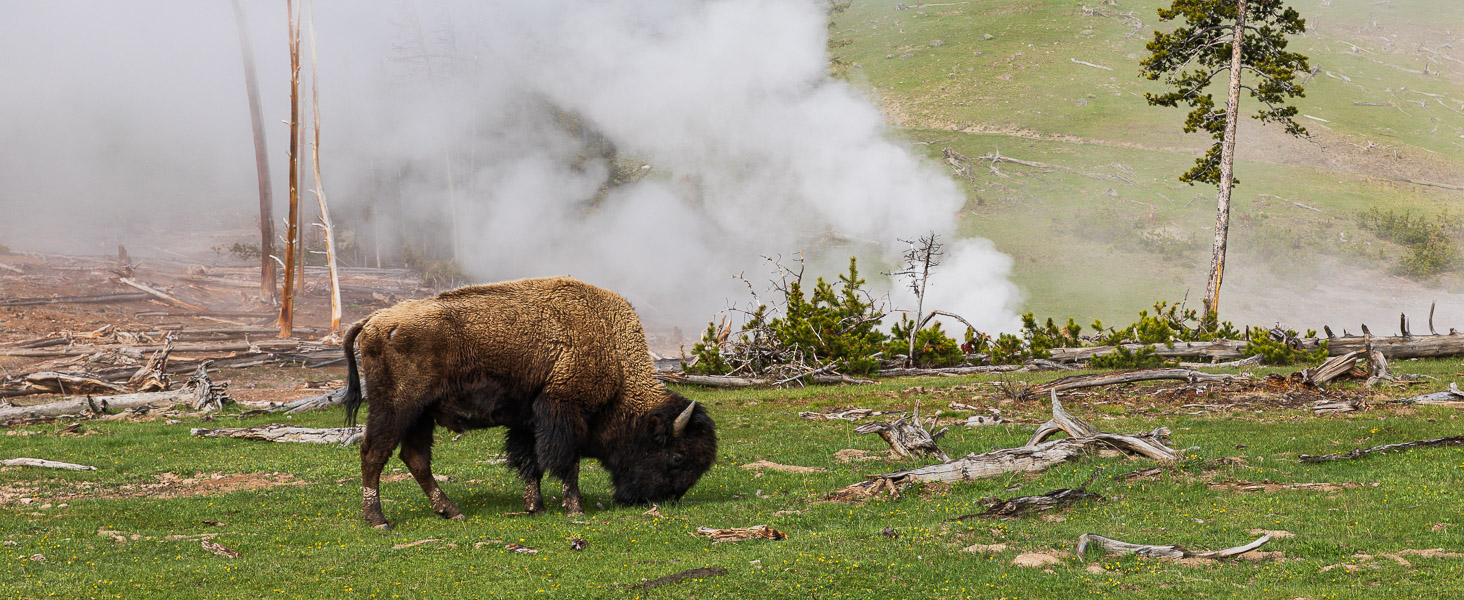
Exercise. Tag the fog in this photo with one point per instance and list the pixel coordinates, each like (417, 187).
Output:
(655, 147)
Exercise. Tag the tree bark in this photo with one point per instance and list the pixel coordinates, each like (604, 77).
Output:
(292, 220)
(1227, 164)
(261, 163)
(330, 253)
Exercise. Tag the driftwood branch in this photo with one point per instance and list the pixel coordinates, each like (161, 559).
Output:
(43, 463)
(1117, 547)
(160, 295)
(1450, 397)
(1030, 458)
(1361, 452)
(344, 436)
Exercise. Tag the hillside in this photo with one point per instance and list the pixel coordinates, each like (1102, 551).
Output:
(1104, 227)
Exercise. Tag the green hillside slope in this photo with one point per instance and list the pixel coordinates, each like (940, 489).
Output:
(1097, 220)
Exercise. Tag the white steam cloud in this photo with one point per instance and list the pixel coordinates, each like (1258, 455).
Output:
(488, 123)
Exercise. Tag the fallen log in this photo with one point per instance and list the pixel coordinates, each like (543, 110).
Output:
(1397, 347)
(1073, 382)
(182, 347)
(738, 534)
(1218, 349)
(1450, 397)
(53, 382)
(43, 463)
(276, 432)
(327, 400)
(948, 371)
(1026, 505)
(1361, 452)
(161, 295)
(1151, 551)
(98, 299)
(724, 381)
(192, 394)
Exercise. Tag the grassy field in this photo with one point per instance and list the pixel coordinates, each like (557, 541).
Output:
(299, 533)
(1108, 228)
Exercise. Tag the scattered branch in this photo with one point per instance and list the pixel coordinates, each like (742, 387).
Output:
(1361, 452)
(1117, 547)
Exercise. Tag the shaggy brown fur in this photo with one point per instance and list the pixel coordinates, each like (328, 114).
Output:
(562, 364)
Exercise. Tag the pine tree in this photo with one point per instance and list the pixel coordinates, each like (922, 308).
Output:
(1247, 39)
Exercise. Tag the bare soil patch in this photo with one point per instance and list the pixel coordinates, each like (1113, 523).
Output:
(168, 485)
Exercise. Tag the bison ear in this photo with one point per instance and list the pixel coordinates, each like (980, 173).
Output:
(658, 429)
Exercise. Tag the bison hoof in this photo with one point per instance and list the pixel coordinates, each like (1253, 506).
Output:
(384, 526)
(456, 517)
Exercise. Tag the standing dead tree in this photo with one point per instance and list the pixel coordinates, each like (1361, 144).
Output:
(325, 222)
(924, 253)
(292, 220)
(261, 164)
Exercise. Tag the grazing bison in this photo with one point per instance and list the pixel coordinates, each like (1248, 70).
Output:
(562, 364)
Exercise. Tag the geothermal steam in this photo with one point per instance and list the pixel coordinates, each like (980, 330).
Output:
(451, 118)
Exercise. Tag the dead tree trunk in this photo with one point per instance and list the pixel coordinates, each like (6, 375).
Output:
(261, 164)
(292, 220)
(1227, 166)
(330, 256)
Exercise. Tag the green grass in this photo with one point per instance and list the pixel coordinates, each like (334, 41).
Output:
(309, 540)
(1074, 237)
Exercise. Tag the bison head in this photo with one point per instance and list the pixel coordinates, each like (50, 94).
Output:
(672, 447)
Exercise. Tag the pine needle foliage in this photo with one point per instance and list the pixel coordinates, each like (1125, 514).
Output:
(1189, 58)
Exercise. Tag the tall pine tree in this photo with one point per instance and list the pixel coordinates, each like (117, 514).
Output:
(1247, 40)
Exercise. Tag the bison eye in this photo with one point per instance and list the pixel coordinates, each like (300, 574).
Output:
(676, 460)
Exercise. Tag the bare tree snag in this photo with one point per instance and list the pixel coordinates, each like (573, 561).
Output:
(1084, 381)
(261, 164)
(1377, 366)
(325, 222)
(906, 435)
(292, 219)
(1113, 546)
(45, 464)
(343, 436)
(1361, 452)
(153, 376)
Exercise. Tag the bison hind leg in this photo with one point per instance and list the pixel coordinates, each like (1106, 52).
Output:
(417, 453)
(521, 455)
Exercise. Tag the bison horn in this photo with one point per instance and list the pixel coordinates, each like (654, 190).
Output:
(682, 419)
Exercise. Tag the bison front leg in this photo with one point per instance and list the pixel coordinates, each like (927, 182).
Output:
(417, 453)
(558, 436)
(519, 447)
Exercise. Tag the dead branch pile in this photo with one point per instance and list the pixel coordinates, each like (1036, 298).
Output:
(199, 393)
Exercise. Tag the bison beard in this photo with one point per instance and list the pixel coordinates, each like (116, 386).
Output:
(562, 364)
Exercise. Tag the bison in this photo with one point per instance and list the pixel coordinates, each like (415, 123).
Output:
(563, 365)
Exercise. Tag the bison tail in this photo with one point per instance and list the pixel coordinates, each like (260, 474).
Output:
(353, 379)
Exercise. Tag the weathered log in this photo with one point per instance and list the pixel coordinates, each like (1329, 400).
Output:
(182, 347)
(1083, 381)
(907, 435)
(1423, 346)
(160, 294)
(1026, 505)
(190, 394)
(1377, 366)
(1361, 452)
(43, 463)
(1218, 349)
(52, 382)
(276, 432)
(738, 534)
(98, 299)
(1450, 397)
(948, 371)
(1151, 551)
(714, 380)
(152, 377)
(327, 400)
(1244, 362)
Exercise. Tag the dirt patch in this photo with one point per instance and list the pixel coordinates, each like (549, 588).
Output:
(1039, 559)
(168, 485)
(772, 466)
(1272, 486)
(1275, 533)
(985, 548)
